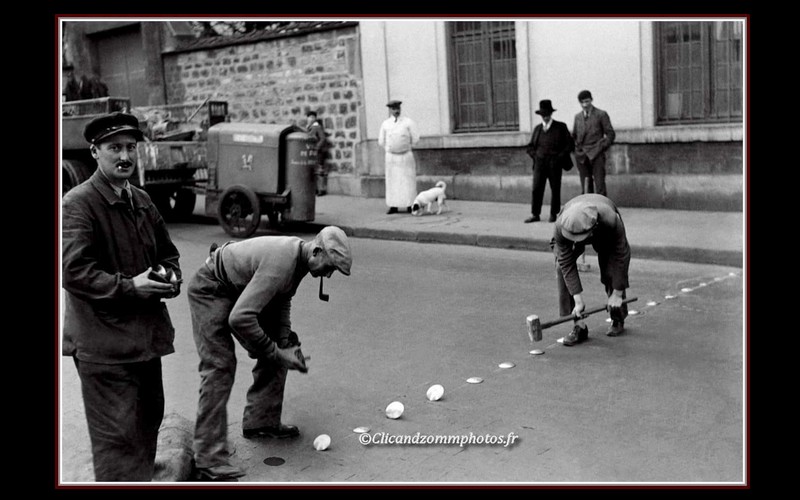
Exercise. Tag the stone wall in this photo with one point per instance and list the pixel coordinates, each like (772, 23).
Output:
(277, 81)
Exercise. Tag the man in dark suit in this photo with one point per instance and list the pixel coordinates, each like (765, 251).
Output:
(591, 219)
(550, 149)
(593, 135)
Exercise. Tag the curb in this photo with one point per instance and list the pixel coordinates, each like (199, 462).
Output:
(676, 254)
(727, 258)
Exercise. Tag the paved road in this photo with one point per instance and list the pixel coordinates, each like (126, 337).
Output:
(662, 404)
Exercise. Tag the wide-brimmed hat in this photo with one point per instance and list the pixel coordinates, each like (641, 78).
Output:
(334, 241)
(578, 220)
(545, 107)
(105, 126)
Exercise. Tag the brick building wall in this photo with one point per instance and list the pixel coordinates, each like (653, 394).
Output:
(278, 80)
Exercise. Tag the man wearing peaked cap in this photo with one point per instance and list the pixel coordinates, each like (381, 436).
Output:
(244, 291)
(116, 324)
(397, 136)
(591, 219)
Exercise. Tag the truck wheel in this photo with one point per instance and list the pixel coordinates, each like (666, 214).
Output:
(73, 172)
(239, 211)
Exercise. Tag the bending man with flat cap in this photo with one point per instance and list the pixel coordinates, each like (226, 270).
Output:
(591, 219)
(244, 291)
(116, 325)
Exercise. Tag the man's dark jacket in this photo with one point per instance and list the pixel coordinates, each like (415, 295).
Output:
(105, 244)
(565, 144)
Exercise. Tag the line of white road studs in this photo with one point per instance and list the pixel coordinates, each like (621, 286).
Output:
(435, 392)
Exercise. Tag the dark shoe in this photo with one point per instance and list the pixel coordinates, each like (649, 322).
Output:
(577, 335)
(280, 432)
(552, 218)
(392, 210)
(616, 328)
(532, 218)
(219, 473)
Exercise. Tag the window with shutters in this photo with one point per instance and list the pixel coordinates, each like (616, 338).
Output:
(699, 71)
(483, 73)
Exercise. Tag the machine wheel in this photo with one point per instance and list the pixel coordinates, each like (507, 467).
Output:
(239, 211)
(73, 172)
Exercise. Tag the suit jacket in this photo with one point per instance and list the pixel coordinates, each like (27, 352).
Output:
(592, 135)
(564, 142)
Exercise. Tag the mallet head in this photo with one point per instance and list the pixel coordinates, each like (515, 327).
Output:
(534, 328)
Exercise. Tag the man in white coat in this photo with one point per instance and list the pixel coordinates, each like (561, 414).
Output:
(398, 135)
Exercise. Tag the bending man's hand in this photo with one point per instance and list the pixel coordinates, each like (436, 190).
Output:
(290, 358)
(579, 306)
(615, 300)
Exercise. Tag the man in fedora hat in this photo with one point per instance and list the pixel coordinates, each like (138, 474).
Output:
(397, 136)
(591, 219)
(550, 147)
(244, 291)
(593, 135)
(116, 325)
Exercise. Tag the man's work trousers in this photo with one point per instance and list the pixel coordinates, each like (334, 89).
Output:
(124, 408)
(210, 304)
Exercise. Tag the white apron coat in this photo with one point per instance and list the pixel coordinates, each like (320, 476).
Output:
(397, 137)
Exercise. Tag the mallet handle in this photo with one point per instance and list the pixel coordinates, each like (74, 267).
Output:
(585, 313)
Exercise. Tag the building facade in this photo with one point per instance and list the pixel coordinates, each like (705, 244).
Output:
(674, 89)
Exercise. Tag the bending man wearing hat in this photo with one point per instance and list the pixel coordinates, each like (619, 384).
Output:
(593, 135)
(116, 325)
(244, 291)
(550, 148)
(591, 219)
(397, 136)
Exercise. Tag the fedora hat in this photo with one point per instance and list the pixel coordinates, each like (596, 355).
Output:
(545, 107)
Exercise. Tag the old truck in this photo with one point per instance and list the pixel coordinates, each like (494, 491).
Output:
(171, 161)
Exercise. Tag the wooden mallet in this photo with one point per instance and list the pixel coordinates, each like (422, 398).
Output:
(535, 327)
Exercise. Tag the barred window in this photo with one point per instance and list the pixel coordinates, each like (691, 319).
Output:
(483, 69)
(699, 71)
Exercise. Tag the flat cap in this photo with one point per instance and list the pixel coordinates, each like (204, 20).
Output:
(394, 103)
(578, 220)
(334, 241)
(105, 126)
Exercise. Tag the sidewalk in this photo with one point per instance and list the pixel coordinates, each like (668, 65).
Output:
(676, 235)
(673, 235)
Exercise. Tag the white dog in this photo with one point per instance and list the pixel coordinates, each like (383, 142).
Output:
(427, 198)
